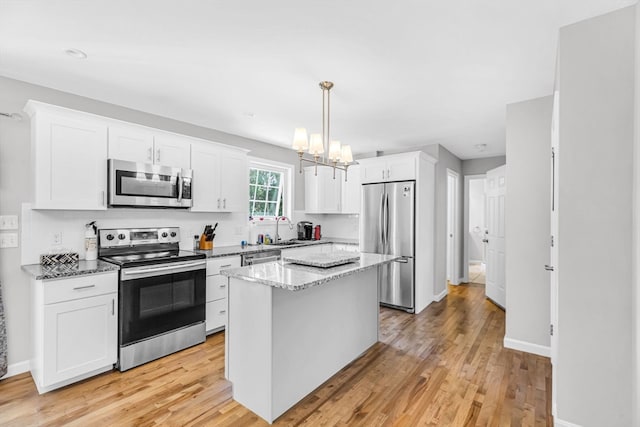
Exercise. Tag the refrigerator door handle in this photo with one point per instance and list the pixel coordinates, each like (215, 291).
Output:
(386, 217)
(402, 260)
(382, 221)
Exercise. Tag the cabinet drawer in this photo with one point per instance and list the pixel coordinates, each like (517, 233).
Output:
(216, 264)
(79, 287)
(216, 312)
(216, 287)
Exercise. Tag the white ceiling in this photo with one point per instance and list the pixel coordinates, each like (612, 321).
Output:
(407, 73)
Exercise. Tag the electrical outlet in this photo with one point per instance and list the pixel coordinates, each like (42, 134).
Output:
(8, 222)
(8, 240)
(56, 238)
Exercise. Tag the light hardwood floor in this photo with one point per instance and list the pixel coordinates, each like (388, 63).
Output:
(443, 367)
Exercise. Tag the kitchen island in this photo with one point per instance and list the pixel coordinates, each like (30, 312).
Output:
(291, 327)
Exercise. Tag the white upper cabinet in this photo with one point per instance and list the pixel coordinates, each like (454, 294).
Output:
(351, 191)
(220, 179)
(140, 144)
(234, 181)
(131, 143)
(70, 151)
(69, 160)
(398, 167)
(322, 193)
(172, 150)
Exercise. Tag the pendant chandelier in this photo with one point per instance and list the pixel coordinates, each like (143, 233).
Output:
(318, 144)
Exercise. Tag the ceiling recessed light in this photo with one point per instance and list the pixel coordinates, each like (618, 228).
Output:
(76, 53)
(480, 147)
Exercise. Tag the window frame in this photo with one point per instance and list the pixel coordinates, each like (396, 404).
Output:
(286, 170)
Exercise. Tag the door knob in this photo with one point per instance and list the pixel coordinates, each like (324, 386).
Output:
(485, 240)
(548, 267)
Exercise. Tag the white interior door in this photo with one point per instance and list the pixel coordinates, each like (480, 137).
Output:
(496, 188)
(553, 253)
(453, 273)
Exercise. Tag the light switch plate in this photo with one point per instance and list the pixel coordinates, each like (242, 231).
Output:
(8, 222)
(8, 240)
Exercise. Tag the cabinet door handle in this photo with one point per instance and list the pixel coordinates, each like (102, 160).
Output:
(226, 265)
(113, 307)
(150, 154)
(218, 203)
(388, 173)
(224, 203)
(382, 173)
(83, 287)
(158, 155)
(223, 286)
(548, 267)
(223, 311)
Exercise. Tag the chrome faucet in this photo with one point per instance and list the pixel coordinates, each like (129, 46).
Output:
(278, 218)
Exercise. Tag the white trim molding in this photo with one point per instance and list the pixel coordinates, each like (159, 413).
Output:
(540, 350)
(16, 368)
(441, 295)
(560, 423)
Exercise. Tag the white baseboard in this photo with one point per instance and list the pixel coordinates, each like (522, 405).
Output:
(441, 295)
(540, 350)
(16, 368)
(560, 423)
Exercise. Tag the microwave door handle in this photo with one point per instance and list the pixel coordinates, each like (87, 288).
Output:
(180, 182)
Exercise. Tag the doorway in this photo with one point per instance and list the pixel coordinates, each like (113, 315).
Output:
(453, 251)
(476, 230)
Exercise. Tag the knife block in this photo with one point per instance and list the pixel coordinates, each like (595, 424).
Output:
(204, 245)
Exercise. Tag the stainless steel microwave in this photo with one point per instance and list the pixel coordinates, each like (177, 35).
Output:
(133, 184)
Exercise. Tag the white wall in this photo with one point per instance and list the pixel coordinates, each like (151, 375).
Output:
(476, 227)
(481, 166)
(636, 235)
(596, 84)
(528, 226)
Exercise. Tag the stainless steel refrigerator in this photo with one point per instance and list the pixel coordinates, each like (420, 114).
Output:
(387, 226)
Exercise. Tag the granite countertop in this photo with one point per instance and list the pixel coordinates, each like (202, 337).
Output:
(58, 271)
(293, 277)
(222, 251)
(45, 272)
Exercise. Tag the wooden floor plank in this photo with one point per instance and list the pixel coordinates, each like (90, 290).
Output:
(443, 367)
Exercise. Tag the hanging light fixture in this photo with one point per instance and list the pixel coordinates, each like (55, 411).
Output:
(319, 144)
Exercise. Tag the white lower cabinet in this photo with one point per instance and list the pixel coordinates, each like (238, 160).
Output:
(217, 290)
(75, 329)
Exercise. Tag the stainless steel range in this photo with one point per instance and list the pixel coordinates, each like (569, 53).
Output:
(161, 292)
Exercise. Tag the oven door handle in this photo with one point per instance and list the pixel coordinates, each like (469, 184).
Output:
(186, 266)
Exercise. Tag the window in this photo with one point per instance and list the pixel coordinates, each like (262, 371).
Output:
(269, 188)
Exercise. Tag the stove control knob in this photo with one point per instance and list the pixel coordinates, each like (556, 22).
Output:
(164, 234)
(121, 236)
(110, 237)
(173, 234)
